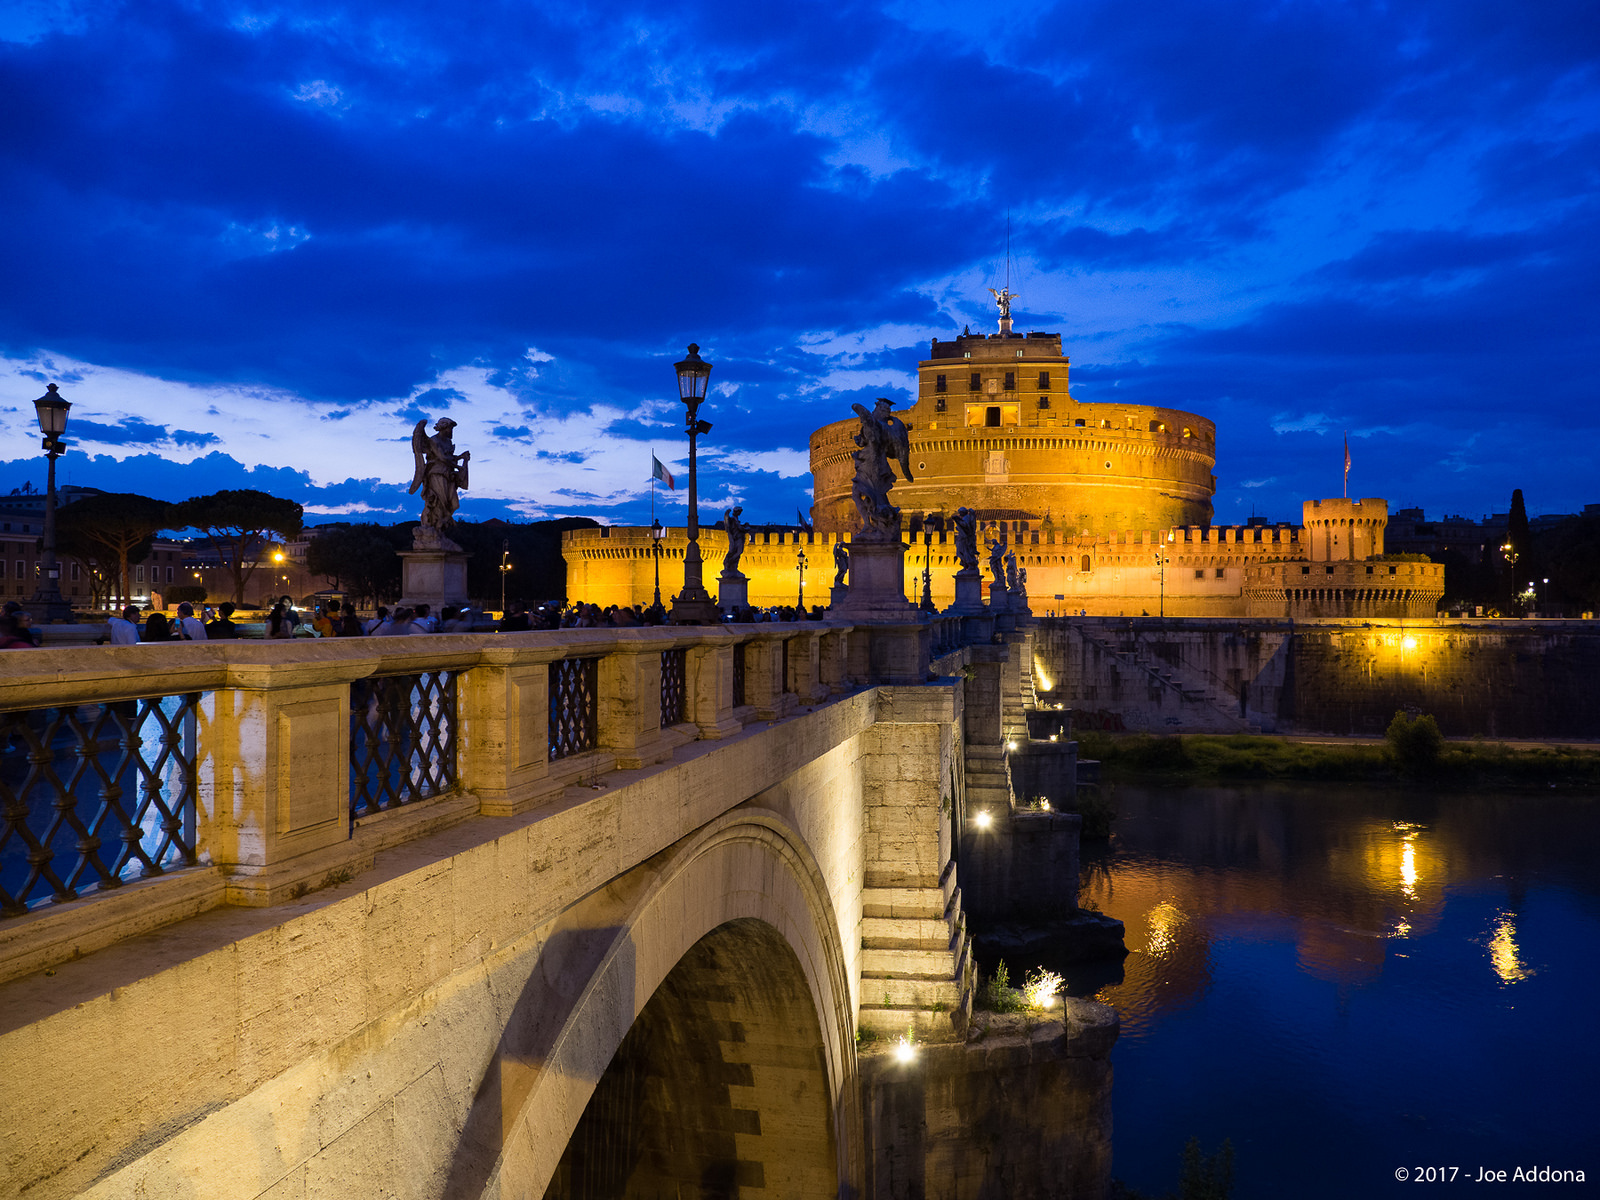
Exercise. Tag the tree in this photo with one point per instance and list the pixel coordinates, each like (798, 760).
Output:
(114, 529)
(538, 572)
(1518, 540)
(236, 523)
(362, 560)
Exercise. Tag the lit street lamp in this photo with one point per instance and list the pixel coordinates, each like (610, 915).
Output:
(47, 600)
(693, 605)
(505, 569)
(1162, 559)
(800, 562)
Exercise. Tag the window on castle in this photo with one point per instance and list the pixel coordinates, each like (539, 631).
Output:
(1200, 573)
(1044, 381)
(1394, 570)
(1080, 422)
(1011, 381)
(991, 416)
(977, 382)
(1044, 401)
(939, 383)
(1085, 565)
(1221, 573)
(1305, 570)
(938, 404)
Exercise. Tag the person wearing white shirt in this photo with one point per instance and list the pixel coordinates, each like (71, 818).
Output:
(190, 627)
(125, 629)
(424, 621)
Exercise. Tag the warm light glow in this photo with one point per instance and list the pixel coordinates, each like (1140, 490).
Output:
(1164, 920)
(1046, 683)
(1011, 745)
(1053, 736)
(1041, 988)
(1408, 642)
(905, 1050)
(982, 819)
(1408, 868)
(1044, 804)
(277, 556)
(1503, 952)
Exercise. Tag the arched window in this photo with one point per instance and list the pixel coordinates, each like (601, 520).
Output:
(1085, 564)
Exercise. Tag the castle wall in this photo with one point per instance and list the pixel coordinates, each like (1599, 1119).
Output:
(995, 429)
(1491, 678)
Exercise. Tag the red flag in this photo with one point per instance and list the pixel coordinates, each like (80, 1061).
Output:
(662, 474)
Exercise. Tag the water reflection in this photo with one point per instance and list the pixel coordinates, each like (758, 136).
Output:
(1316, 967)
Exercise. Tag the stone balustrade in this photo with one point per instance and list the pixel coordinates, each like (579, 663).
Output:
(141, 785)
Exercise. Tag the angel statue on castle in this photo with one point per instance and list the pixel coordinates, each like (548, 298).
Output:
(441, 473)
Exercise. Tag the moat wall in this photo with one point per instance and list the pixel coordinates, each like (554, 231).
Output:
(1496, 679)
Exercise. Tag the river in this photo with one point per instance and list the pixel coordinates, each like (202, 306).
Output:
(1351, 982)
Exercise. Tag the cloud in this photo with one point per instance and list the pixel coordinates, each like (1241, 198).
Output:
(1385, 214)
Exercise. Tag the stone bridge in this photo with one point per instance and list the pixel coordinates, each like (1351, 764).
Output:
(587, 913)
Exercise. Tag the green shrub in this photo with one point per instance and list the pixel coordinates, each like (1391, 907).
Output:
(1415, 743)
(998, 995)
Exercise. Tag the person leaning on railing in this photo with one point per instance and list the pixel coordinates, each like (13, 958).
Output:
(11, 637)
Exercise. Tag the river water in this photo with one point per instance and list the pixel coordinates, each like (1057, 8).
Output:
(1350, 982)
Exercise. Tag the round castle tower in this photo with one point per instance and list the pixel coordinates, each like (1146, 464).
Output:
(994, 428)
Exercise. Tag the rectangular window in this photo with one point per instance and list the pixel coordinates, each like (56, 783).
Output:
(1305, 570)
(169, 574)
(1080, 422)
(939, 383)
(977, 382)
(74, 572)
(1044, 381)
(22, 569)
(139, 578)
(1200, 573)
(1221, 572)
(938, 404)
(1044, 401)
(1011, 381)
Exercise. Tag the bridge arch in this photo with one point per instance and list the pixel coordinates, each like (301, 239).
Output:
(734, 924)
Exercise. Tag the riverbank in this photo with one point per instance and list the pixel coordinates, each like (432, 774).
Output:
(1204, 758)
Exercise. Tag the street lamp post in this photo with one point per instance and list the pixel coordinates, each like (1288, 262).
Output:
(927, 569)
(1162, 558)
(47, 598)
(505, 569)
(693, 605)
(657, 532)
(800, 562)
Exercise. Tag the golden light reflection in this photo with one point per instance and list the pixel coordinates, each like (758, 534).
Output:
(1408, 867)
(1164, 920)
(1503, 953)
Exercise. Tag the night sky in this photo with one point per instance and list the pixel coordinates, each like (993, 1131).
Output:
(254, 243)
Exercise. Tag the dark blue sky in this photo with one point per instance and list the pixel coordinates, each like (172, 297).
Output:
(255, 241)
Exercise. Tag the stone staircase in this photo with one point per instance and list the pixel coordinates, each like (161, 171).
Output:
(916, 964)
(1205, 704)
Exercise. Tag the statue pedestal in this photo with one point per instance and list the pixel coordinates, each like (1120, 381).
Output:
(433, 577)
(733, 591)
(999, 596)
(969, 594)
(877, 584)
(837, 596)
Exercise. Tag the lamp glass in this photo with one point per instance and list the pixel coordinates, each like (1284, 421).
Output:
(52, 410)
(693, 372)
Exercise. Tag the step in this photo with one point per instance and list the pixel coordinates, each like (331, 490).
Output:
(890, 1024)
(889, 991)
(903, 902)
(893, 933)
(908, 964)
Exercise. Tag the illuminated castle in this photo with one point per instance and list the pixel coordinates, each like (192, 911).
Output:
(1106, 505)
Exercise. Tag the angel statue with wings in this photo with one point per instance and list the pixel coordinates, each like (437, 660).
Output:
(882, 438)
(441, 473)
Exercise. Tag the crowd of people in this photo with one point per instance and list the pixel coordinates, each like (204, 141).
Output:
(335, 619)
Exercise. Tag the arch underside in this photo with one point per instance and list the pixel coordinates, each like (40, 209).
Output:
(720, 1088)
(695, 1005)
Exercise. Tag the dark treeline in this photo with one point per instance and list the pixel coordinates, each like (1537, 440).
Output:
(363, 559)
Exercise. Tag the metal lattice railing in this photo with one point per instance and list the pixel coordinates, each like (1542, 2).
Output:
(573, 706)
(403, 738)
(738, 674)
(94, 795)
(672, 686)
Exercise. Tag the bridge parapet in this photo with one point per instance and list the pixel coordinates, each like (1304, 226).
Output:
(141, 785)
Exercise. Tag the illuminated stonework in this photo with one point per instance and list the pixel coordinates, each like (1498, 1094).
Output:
(994, 428)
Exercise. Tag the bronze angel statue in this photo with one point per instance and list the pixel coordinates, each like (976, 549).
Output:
(441, 474)
(882, 438)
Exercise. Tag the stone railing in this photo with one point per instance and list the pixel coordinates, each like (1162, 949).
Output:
(140, 785)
